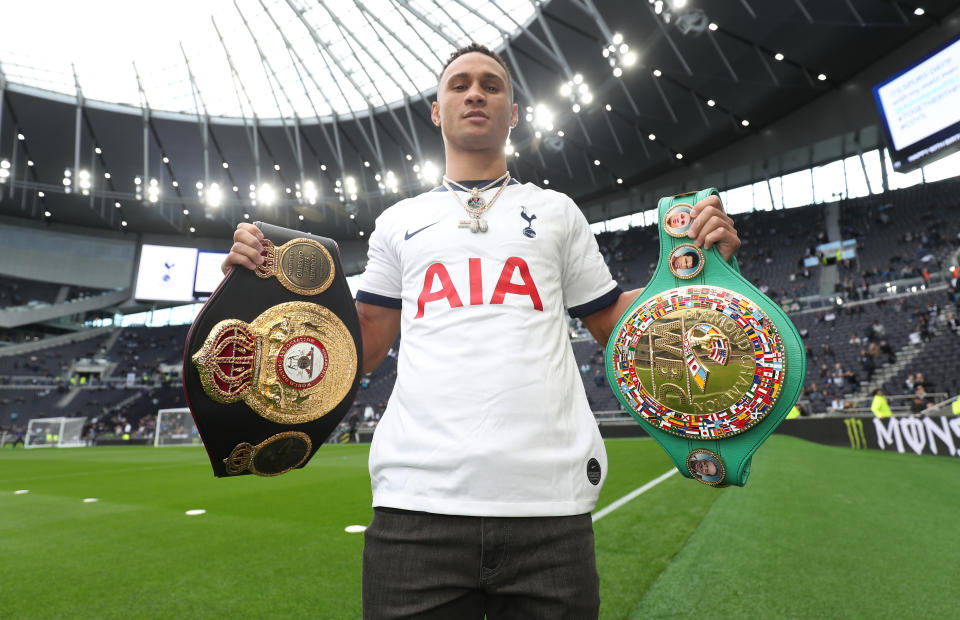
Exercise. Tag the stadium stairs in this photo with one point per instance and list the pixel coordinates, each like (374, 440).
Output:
(905, 358)
(30, 314)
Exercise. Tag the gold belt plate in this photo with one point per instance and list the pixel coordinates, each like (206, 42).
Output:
(700, 362)
(292, 364)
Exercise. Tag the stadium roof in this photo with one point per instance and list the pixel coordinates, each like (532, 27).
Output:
(264, 59)
(611, 93)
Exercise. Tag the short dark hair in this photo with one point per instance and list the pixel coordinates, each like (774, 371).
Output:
(482, 49)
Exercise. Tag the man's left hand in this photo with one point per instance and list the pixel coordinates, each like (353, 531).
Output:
(711, 226)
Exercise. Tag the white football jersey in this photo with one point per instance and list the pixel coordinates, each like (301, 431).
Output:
(488, 416)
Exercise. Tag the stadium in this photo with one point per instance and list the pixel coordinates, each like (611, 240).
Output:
(136, 136)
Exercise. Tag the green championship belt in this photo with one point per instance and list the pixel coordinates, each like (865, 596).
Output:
(704, 361)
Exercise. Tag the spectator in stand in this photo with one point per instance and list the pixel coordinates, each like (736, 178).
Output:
(887, 350)
(867, 363)
(909, 383)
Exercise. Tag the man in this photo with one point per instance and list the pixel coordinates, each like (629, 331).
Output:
(487, 461)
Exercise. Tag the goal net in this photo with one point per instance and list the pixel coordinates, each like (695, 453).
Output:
(175, 427)
(55, 432)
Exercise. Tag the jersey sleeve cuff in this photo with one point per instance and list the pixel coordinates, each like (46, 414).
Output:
(378, 300)
(599, 303)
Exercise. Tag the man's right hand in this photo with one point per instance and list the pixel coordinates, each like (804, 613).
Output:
(246, 248)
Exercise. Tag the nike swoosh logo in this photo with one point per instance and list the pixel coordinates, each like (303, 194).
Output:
(410, 234)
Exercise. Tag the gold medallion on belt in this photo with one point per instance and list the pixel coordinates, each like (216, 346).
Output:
(292, 364)
(301, 265)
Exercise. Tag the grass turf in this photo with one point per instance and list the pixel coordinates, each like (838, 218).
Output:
(812, 521)
(822, 532)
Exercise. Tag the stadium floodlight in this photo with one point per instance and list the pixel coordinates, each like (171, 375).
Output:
(266, 194)
(153, 192)
(390, 181)
(214, 196)
(542, 117)
(84, 181)
(4, 170)
(429, 173)
(918, 11)
(55, 432)
(310, 192)
(778, 56)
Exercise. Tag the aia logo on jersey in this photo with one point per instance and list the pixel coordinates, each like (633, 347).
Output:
(447, 291)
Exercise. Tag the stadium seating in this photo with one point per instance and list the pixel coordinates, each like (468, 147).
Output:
(920, 328)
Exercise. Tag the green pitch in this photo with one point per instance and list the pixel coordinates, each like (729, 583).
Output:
(817, 532)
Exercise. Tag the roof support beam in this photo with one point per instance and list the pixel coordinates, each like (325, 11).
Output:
(663, 97)
(766, 65)
(616, 140)
(269, 73)
(698, 103)
(344, 32)
(803, 9)
(328, 56)
(563, 62)
(723, 57)
(855, 13)
(297, 62)
(423, 19)
(666, 35)
(252, 132)
(202, 120)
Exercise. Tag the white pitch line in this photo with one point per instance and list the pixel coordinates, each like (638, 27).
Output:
(631, 495)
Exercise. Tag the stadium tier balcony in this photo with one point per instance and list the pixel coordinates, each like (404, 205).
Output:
(53, 361)
(18, 406)
(140, 349)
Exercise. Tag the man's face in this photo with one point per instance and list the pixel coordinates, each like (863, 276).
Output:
(679, 220)
(705, 467)
(683, 262)
(474, 107)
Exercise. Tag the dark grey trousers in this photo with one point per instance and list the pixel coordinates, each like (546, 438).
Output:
(420, 565)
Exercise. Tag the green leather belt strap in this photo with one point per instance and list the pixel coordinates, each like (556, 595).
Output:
(704, 361)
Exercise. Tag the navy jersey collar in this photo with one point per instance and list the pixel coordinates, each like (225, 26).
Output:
(473, 184)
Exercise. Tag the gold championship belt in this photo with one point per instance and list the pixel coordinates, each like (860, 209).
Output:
(272, 362)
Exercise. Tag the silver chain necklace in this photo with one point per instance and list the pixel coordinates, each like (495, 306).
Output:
(476, 205)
